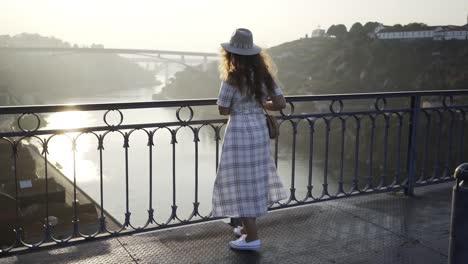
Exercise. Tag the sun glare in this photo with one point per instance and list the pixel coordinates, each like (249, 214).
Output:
(68, 120)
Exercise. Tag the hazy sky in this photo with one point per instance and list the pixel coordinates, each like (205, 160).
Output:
(200, 25)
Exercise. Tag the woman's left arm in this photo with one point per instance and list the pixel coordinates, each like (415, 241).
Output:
(226, 93)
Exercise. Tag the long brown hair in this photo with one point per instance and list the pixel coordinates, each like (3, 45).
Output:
(248, 73)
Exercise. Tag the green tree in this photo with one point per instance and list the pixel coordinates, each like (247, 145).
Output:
(338, 31)
(331, 30)
(369, 27)
(356, 30)
(415, 26)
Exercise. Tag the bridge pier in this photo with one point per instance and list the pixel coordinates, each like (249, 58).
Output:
(166, 73)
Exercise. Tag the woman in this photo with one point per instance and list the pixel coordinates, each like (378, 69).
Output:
(246, 181)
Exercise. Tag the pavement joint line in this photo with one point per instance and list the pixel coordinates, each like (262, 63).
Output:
(407, 238)
(126, 250)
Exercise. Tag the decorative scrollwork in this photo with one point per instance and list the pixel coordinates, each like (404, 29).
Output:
(450, 101)
(332, 106)
(380, 103)
(34, 128)
(291, 112)
(120, 117)
(190, 117)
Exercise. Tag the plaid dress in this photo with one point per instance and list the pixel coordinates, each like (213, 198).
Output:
(246, 181)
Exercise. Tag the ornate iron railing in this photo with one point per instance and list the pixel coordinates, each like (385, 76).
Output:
(359, 143)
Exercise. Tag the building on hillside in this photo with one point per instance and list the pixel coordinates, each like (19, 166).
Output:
(318, 33)
(389, 32)
(451, 32)
(448, 32)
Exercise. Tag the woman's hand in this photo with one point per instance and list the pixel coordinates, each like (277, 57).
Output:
(276, 103)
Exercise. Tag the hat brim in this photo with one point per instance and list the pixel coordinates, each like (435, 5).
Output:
(241, 51)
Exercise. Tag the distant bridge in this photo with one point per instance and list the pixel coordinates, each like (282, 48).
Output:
(151, 60)
(114, 51)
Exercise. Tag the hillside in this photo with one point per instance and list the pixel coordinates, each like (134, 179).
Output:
(331, 65)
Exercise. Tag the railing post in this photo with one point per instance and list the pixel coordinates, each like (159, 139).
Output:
(458, 244)
(411, 154)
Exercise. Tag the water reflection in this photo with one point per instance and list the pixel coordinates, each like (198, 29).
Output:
(61, 146)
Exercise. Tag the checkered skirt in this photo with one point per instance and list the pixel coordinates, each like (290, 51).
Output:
(247, 181)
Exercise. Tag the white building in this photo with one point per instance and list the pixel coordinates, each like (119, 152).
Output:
(428, 32)
(451, 32)
(318, 33)
(396, 33)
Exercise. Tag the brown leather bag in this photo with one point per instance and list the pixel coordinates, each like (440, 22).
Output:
(272, 124)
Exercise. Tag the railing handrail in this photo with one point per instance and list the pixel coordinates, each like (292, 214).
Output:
(212, 101)
(350, 96)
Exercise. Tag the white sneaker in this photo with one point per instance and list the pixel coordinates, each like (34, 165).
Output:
(241, 244)
(237, 231)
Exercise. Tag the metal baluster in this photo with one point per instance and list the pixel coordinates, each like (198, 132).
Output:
(383, 177)
(341, 180)
(196, 139)
(45, 151)
(462, 133)
(413, 128)
(150, 147)
(174, 205)
(127, 203)
(311, 157)
(426, 144)
(396, 179)
(75, 201)
(293, 165)
(437, 148)
(356, 156)
(18, 228)
(325, 169)
(371, 155)
(102, 218)
(446, 171)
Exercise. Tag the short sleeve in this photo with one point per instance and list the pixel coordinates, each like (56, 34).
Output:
(226, 92)
(277, 90)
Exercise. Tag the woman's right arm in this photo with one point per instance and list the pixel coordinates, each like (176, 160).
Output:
(276, 103)
(276, 100)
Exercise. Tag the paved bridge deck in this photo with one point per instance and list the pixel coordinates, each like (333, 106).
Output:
(380, 228)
